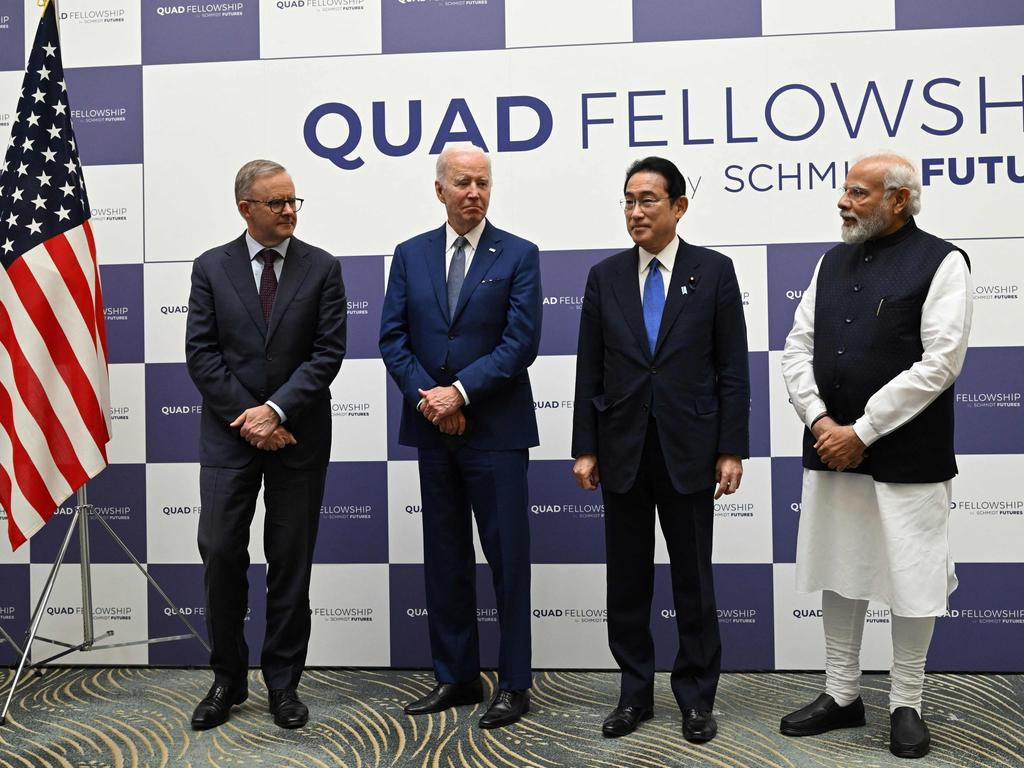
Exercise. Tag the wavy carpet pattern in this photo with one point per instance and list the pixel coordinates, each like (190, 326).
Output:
(134, 717)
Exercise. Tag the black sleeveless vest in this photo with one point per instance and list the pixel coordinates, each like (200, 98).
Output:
(867, 330)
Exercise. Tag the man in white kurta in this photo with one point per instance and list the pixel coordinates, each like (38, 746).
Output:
(864, 533)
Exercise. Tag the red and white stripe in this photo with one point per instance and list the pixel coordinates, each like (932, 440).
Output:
(54, 387)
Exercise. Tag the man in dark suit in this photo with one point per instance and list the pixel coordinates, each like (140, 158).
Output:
(460, 325)
(661, 414)
(265, 339)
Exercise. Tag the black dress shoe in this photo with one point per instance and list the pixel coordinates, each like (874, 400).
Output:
(506, 708)
(215, 709)
(909, 735)
(821, 715)
(624, 720)
(699, 726)
(286, 708)
(447, 695)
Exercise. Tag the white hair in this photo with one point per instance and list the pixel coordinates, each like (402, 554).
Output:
(899, 172)
(458, 147)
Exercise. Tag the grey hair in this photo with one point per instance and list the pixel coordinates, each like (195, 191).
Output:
(251, 171)
(441, 168)
(899, 172)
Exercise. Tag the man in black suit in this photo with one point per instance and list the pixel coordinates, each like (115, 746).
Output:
(661, 415)
(265, 339)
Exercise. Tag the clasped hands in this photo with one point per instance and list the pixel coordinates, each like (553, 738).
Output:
(261, 427)
(838, 447)
(442, 407)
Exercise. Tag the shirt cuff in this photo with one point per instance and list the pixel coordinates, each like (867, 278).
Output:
(462, 391)
(865, 431)
(813, 414)
(278, 411)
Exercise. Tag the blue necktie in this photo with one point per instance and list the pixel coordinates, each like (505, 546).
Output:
(456, 275)
(654, 302)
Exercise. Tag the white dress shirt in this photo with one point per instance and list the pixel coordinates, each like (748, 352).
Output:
(666, 260)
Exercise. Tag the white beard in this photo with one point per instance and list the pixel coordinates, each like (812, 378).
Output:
(865, 227)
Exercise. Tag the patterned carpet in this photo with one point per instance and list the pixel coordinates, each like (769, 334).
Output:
(88, 718)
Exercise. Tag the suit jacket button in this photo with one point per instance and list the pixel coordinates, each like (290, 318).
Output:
(643, 407)
(451, 337)
(444, 368)
(654, 370)
(270, 357)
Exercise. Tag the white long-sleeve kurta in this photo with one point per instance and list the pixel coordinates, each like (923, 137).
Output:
(867, 540)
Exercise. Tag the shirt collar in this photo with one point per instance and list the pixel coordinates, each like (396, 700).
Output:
(667, 257)
(254, 247)
(473, 236)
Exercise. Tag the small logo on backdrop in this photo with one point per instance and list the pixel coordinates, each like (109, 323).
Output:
(725, 615)
(345, 613)
(977, 615)
(358, 308)
(108, 114)
(346, 511)
(110, 214)
(569, 301)
(996, 292)
(110, 14)
(203, 10)
(579, 615)
(1009, 399)
(181, 510)
(725, 509)
(577, 511)
(120, 413)
(320, 6)
(349, 409)
(103, 612)
(989, 507)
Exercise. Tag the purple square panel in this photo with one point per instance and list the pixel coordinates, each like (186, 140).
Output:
(790, 268)
(989, 401)
(364, 289)
(695, 19)
(173, 409)
(183, 33)
(15, 609)
(566, 522)
(410, 636)
(122, 297)
(106, 112)
(12, 34)
(354, 514)
(184, 585)
(441, 25)
(984, 630)
(760, 417)
(119, 495)
(787, 490)
(938, 14)
(564, 277)
(743, 594)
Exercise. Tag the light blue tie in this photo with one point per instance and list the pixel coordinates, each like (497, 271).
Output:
(456, 274)
(654, 302)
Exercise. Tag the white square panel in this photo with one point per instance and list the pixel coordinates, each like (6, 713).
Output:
(570, 620)
(997, 271)
(553, 380)
(127, 414)
(787, 431)
(752, 274)
(359, 412)
(166, 289)
(567, 22)
(93, 33)
(115, 200)
(351, 619)
(319, 28)
(987, 509)
(789, 17)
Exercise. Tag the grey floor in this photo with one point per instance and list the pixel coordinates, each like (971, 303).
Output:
(88, 718)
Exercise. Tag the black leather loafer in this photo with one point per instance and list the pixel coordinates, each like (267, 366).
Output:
(624, 720)
(909, 735)
(215, 709)
(446, 695)
(286, 708)
(506, 708)
(822, 715)
(698, 726)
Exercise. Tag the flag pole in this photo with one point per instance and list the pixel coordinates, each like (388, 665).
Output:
(80, 522)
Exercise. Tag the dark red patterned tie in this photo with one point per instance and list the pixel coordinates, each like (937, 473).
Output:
(268, 282)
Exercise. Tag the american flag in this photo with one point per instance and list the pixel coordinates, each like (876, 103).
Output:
(54, 391)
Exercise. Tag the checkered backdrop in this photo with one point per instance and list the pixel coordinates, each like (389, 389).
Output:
(760, 102)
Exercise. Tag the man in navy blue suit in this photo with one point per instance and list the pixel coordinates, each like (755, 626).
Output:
(265, 339)
(661, 414)
(459, 327)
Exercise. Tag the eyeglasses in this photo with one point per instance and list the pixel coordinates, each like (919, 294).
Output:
(277, 204)
(859, 194)
(646, 203)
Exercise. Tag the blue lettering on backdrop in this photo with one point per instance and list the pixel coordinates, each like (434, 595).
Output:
(853, 107)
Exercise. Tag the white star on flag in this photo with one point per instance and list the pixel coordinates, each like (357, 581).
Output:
(39, 202)
(63, 214)
(34, 227)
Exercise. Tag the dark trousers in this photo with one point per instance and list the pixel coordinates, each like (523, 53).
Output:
(293, 498)
(686, 522)
(493, 483)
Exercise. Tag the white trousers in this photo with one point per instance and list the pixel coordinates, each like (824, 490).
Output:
(843, 619)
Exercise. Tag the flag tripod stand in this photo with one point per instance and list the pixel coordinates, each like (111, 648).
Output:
(80, 520)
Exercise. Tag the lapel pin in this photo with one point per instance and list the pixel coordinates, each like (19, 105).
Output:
(684, 290)
(491, 250)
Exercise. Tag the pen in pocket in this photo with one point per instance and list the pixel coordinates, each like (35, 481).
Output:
(879, 310)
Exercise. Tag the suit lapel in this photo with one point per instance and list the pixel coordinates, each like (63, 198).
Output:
(293, 272)
(238, 266)
(627, 293)
(488, 249)
(435, 268)
(686, 265)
